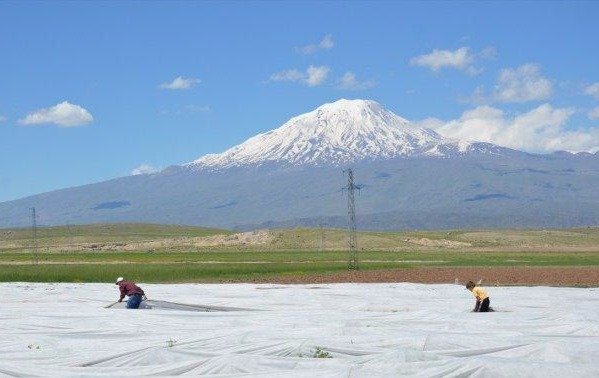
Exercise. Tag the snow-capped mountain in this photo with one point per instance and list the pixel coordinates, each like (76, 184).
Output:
(292, 176)
(338, 133)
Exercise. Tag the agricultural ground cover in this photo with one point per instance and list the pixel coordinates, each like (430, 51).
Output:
(314, 330)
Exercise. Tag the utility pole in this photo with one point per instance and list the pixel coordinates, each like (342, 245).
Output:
(35, 257)
(69, 245)
(352, 239)
(323, 238)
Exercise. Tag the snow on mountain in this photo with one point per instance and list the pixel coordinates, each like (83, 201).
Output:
(338, 133)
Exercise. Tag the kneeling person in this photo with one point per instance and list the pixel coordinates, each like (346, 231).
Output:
(482, 299)
(134, 292)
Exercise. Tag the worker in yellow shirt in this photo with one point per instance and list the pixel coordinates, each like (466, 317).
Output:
(482, 299)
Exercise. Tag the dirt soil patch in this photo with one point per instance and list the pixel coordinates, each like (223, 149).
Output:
(260, 237)
(491, 276)
(438, 243)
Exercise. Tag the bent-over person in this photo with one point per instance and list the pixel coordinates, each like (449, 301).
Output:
(482, 299)
(134, 292)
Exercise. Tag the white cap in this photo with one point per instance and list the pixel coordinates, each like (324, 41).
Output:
(119, 279)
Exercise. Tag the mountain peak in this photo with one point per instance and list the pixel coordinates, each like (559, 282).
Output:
(355, 112)
(350, 105)
(337, 133)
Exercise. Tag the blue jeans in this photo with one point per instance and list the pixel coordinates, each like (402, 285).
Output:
(134, 301)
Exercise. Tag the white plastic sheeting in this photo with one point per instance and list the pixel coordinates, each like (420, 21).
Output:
(166, 305)
(367, 330)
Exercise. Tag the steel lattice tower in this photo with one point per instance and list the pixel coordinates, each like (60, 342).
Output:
(352, 239)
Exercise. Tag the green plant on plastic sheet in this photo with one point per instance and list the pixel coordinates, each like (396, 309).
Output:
(321, 353)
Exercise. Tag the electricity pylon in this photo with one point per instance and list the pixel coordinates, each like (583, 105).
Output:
(352, 239)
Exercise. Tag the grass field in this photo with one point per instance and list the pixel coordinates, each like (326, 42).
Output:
(157, 253)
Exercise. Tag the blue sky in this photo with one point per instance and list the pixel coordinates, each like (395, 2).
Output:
(91, 91)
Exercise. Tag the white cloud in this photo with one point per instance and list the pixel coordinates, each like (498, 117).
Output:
(288, 75)
(460, 59)
(593, 90)
(312, 77)
(144, 169)
(317, 75)
(64, 114)
(3, 119)
(489, 52)
(180, 83)
(348, 81)
(325, 44)
(594, 113)
(521, 84)
(542, 129)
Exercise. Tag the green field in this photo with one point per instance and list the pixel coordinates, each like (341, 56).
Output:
(157, 253)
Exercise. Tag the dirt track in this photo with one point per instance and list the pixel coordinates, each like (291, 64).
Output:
(502, 276)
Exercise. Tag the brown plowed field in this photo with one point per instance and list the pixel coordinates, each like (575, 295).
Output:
(502, 276)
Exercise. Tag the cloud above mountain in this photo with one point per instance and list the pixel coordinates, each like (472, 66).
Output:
(325, 44)
(349, 82)
(180, 83)
(312, 76)
(542, 129)
(462, 59)
(522, 84)
(143, 169)
(64, 114)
